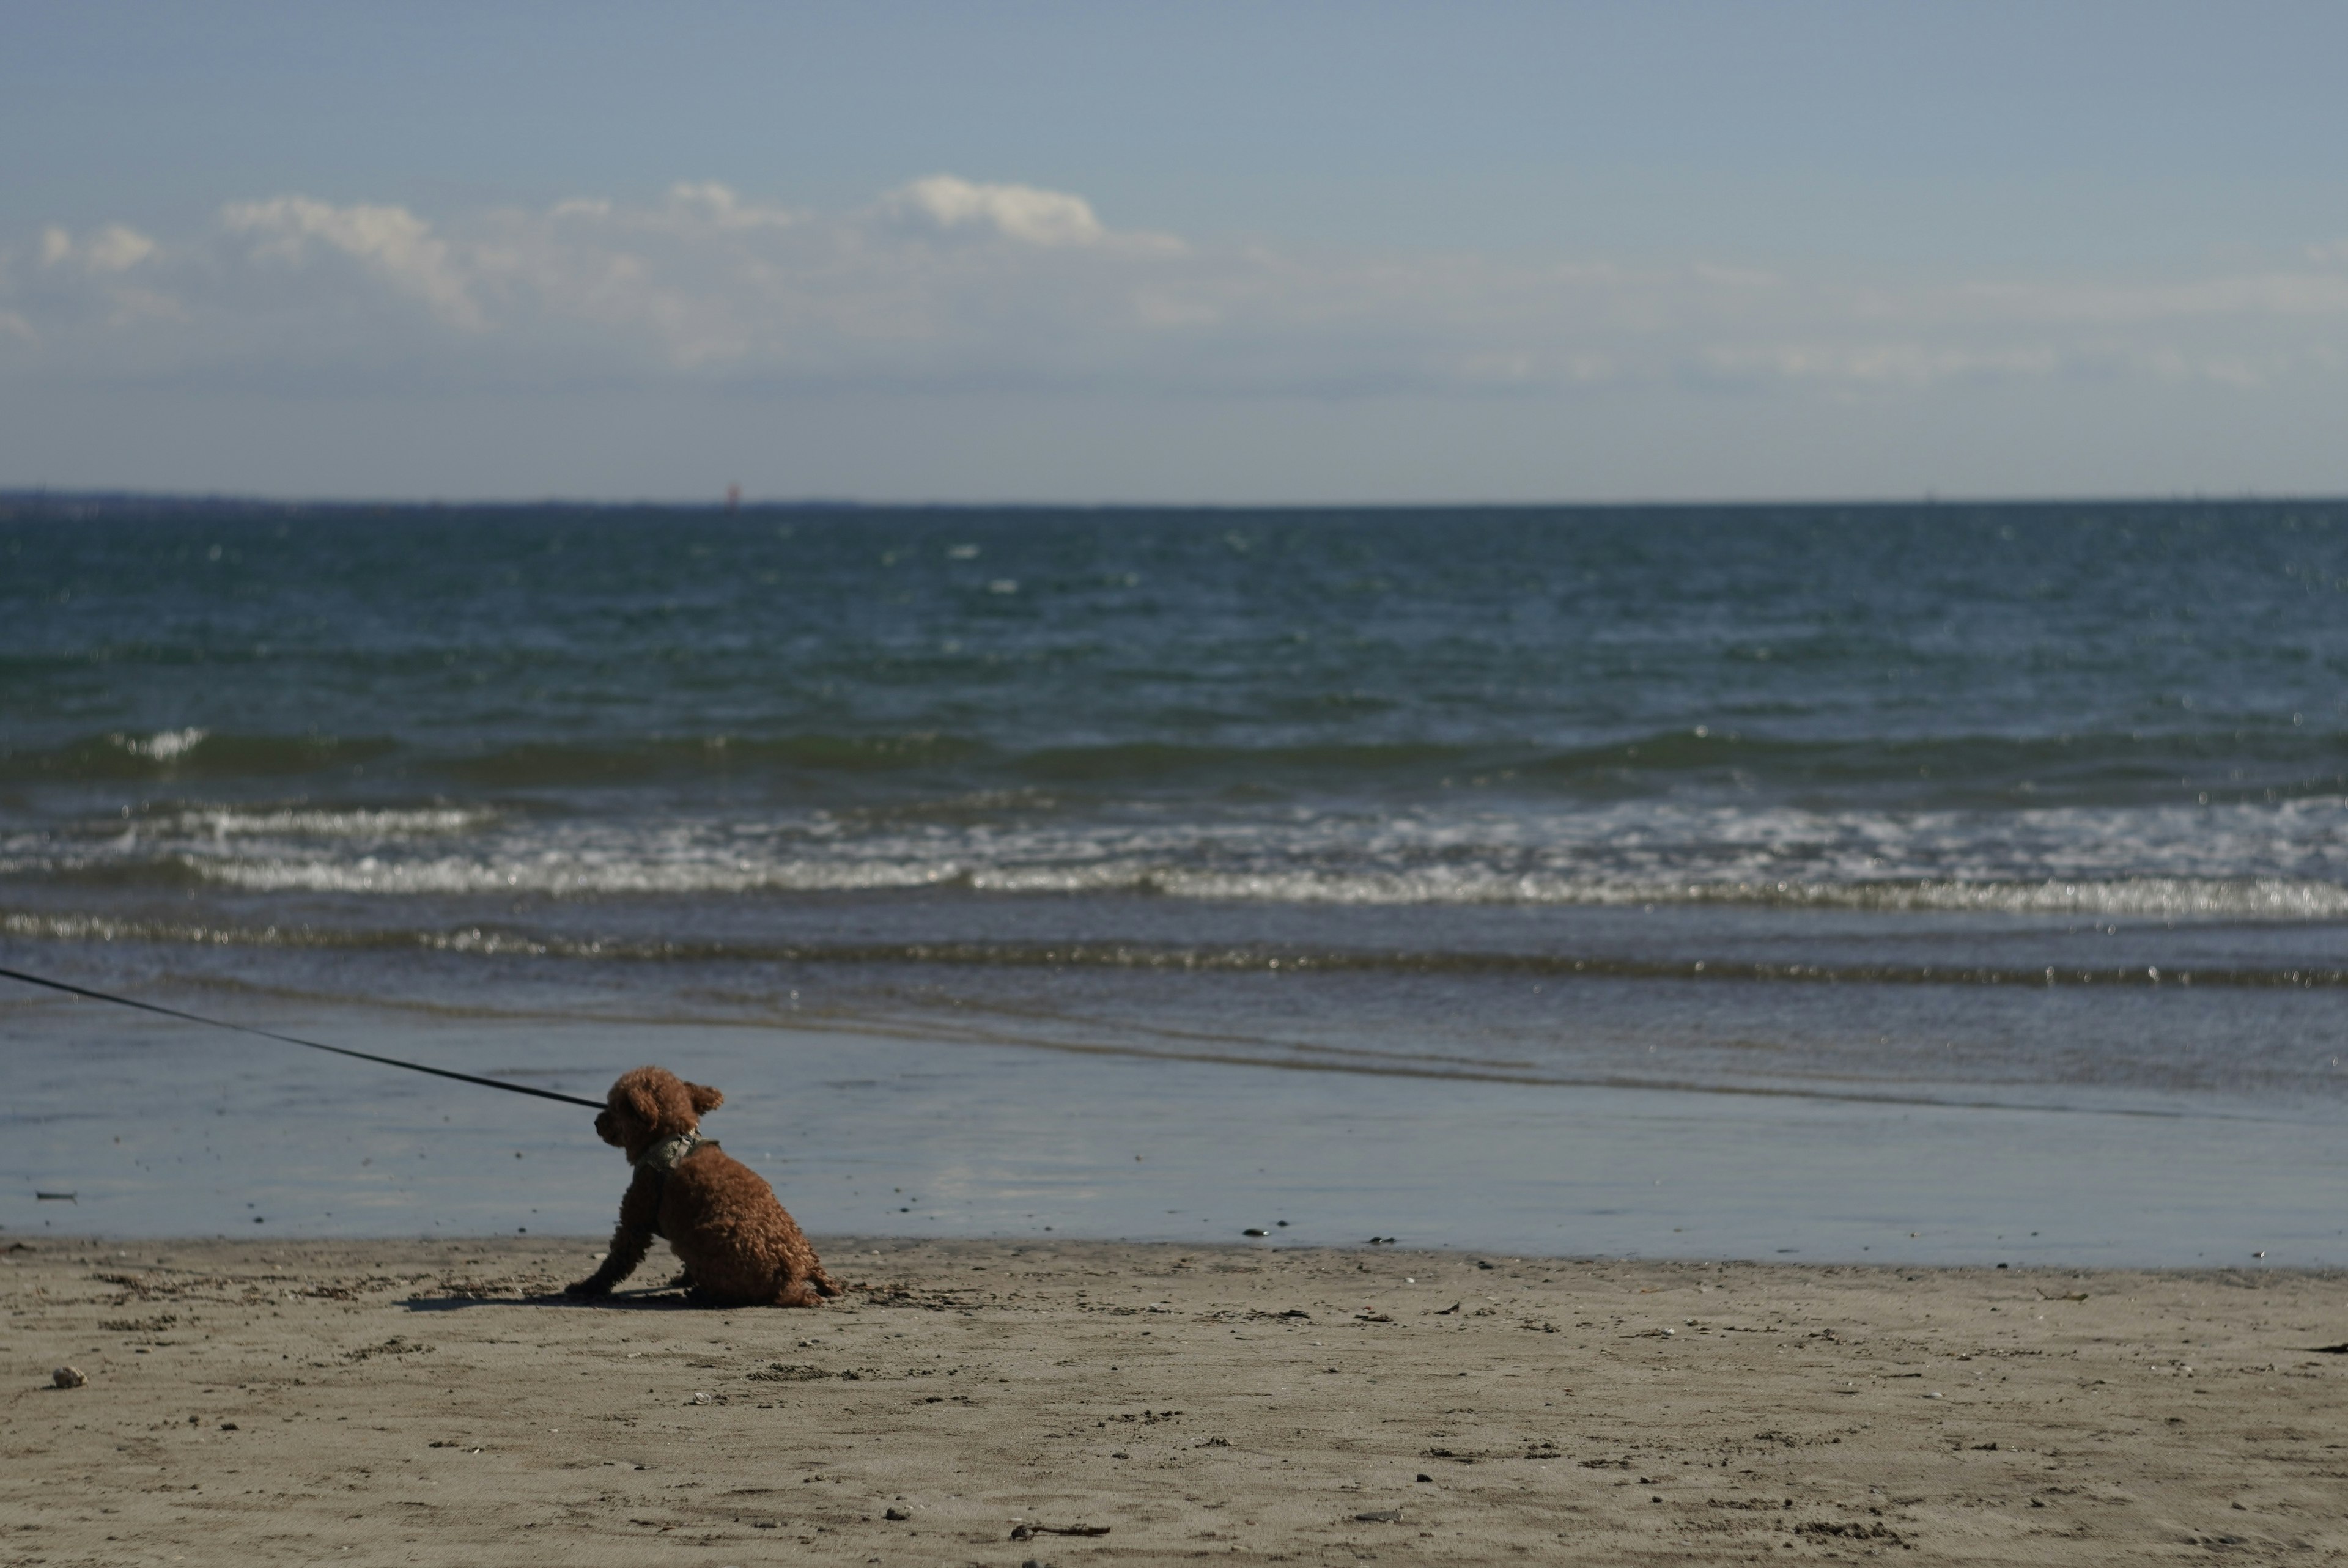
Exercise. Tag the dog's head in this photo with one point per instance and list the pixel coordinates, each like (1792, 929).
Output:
(650, 1104)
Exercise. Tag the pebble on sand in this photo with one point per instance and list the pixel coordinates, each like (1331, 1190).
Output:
(68, 1378)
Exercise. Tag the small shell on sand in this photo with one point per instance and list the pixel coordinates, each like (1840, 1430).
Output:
(68, 1378)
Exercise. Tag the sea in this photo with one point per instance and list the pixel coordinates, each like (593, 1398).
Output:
(1904, 884)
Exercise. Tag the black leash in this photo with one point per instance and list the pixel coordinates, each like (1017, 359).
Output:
(289, 1039)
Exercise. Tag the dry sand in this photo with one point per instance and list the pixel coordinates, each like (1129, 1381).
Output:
(410, 1402)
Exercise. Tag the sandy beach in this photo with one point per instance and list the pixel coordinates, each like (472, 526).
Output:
(1006, 1403)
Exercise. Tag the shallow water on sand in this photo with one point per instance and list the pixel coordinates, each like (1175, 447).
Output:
(927, 1129)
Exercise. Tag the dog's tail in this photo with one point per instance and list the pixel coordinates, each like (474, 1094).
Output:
(824, 1283)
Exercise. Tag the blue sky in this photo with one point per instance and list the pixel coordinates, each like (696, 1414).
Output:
(1198, 252)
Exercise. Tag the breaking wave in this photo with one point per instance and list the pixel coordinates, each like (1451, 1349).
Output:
(2282, 861)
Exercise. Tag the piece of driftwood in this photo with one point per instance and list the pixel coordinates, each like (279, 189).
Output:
(1029, 1532)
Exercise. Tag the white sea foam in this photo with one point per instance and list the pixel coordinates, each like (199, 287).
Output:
(164, 745)
(2287, 860)
(231, 822)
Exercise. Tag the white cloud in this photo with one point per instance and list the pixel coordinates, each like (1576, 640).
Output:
(1891, 363)
(391, 241)
(703, 207)
(2250, 295)
(947, 283)
(720, 208)
(114, 248)
(1019, 212)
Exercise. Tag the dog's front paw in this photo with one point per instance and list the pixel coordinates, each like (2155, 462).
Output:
(586, 1290)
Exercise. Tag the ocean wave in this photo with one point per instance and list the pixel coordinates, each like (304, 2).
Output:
(554, 764)
(164, 746)
(188, 753)
(2288, 860)
(2161, 897)
(2151, 897)
(373, 824)
(214, 756)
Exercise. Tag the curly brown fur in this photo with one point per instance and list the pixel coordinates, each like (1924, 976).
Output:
(738, 1245)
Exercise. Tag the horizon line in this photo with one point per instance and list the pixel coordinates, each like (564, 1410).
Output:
(42, 497)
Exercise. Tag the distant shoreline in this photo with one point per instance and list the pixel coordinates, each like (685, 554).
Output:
(23, 500)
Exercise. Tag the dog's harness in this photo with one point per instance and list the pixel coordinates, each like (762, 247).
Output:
(664, 1157)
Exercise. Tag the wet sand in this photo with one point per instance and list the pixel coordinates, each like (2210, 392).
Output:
(421, 1402)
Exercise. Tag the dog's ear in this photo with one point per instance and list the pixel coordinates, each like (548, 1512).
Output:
(705, 1099)
(642, 1105)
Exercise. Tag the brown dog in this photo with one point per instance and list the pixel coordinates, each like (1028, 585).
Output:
(740, 1247)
